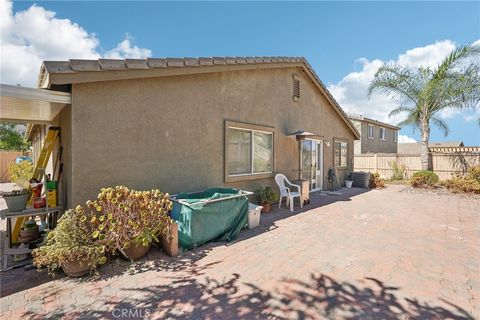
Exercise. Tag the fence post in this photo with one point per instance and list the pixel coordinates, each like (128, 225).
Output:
(375, 159)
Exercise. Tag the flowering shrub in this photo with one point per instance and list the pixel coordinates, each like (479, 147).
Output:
(20, 173)
(71, 240)
(121, 216)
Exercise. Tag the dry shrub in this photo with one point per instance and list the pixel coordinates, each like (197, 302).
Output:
(376, 182)
(470, 183)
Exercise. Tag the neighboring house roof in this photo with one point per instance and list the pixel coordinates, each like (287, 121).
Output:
(76, 71)
(408, 148)
(414, 148)
(446, 144)
(372, 121)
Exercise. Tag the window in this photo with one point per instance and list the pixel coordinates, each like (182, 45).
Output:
(249, 152)
(370, 131)
(296, 88)
(382, 133)
(341, 151)
(395, 135)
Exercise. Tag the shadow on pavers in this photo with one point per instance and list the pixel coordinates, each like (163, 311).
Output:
(16, 280)
(321, 296)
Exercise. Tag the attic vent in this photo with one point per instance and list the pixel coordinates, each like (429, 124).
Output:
(296, 88)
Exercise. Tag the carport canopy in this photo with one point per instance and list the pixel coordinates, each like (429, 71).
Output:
(31, 105)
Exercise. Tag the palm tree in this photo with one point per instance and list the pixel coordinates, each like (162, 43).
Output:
(423, 93)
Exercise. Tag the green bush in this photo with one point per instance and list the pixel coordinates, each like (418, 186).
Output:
(21, 173)
(423, 179)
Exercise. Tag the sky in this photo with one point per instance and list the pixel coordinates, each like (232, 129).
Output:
(345, 42)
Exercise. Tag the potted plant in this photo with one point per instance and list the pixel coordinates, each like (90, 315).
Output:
(19, 173)
(129, 221)
(265, 198)
(70, 246)
(348, 180)
(16, 200)
(29, 231)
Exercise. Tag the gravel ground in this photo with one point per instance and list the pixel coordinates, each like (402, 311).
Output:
(439, 191)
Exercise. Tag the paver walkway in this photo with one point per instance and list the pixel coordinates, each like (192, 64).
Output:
(382, 254)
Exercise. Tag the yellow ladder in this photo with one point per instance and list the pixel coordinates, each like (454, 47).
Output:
(50, 140)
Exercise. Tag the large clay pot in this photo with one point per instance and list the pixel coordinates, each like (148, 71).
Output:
(76, 268)
(136, 251)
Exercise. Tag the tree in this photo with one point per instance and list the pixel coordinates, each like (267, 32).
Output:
(423, 93)
(10, 139)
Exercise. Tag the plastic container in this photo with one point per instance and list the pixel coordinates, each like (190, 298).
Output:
(348, 183)
(253, 215)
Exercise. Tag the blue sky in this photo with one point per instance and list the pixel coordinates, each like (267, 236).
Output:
(332, 36)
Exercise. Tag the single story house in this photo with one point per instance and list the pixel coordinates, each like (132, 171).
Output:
(185, 124)
(375, 136)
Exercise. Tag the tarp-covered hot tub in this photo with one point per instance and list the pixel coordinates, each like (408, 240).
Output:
(216, 214)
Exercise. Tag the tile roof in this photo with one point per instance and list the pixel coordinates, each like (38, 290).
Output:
(80, 65)
(76, 65)
(362, 118)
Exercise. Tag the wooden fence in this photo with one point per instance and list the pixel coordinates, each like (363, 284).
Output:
(445, 161)
(7, 157)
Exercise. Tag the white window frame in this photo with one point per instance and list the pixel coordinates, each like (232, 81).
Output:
(340, 154)
(383, 136)
(395, 136)
(368, 131)
(252, 151)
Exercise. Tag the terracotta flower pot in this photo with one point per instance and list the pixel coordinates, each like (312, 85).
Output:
(76, 268)
(30, 234)
(266, 207)
(136, 251)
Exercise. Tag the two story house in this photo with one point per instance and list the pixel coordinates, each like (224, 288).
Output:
(375, 136)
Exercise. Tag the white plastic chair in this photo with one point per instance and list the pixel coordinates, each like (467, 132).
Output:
(282, 183)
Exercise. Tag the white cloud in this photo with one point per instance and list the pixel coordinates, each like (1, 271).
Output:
(428, 56)
(351, 91)
(28, 37)
(405, 139)
(125, 50)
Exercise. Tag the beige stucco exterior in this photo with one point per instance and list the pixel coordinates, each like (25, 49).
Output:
(168, 132)
(374, 144)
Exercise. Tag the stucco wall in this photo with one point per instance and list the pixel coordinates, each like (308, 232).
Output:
(62, 120)
(375, 145)
(168, 132)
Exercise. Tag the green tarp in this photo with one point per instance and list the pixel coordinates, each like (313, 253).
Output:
(200, 220)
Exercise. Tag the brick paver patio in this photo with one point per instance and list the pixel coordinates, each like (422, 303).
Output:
(382, 254)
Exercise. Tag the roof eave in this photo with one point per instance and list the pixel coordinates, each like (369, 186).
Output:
(45, 80)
